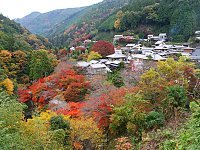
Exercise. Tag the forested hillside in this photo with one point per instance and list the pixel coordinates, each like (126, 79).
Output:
(179, 19)
(85, 25)
(15, 37)
(71, 26)
(41, 23)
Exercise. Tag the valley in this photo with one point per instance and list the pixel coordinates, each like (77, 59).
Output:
(116, 75)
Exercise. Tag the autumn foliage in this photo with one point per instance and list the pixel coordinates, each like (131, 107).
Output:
(8, 85)
(103, 48)
(72, 109)
(66, 84)
(14, 64)
(100, 107)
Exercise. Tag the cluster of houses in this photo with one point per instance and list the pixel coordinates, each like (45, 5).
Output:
(136, 55)
(103, 66)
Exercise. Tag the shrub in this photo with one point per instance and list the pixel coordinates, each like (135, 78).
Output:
(155, 119)
(116, 79)
(58, 122)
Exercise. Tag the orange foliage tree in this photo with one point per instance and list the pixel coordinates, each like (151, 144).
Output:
(72, 109)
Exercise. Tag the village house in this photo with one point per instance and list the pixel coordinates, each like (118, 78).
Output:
(160, 43)
(197, 33)
(117, 37)
(128, 37)
(157, 57)
(117, 56)
(177, 48)
(94, 61)
(72, 49)
(138, 58)
(83, 64)
(130, 46)
(98, 69)
(133, 48)
(152, 37)
(161, 48)
(188, 50)
(196, 55)
(122, 38)
(94, 67)
(160, 37)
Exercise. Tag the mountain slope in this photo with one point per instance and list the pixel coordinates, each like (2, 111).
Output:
(40, 23)
(25, 20)
(15, 37)
(84, 24)
(178, 18)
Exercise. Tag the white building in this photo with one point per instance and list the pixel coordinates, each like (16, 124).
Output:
(117, 37)
(98, 69)
(117, 56)
(160, 37)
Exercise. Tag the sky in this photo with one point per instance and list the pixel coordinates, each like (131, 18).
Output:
(20, 8)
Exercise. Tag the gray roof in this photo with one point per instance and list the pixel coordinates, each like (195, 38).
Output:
(95, 66)
(83, 64)
(195, 57)
(94, 61)
(98, 66)
(196, 52)
(117, 54)
(157, 57)
(139, 56)
(103, 60)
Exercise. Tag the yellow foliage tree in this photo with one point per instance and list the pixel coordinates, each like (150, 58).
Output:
(13, 64)
(86, 133)
(154, 81)
(93, 56)
(8, 84)
(32, 38)
(5, 57)
(118, 20)
(117, 24)
(37, 131)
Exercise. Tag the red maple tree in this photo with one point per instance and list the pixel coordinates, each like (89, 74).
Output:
(72, 109)
(103, 48)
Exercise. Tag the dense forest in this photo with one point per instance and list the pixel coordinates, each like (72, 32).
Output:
(14, 37)
(179, 19)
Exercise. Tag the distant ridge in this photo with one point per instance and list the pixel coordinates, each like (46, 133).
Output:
(39, 23)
